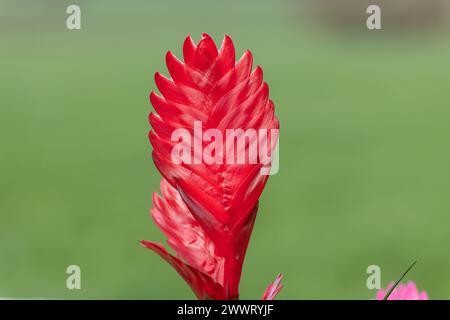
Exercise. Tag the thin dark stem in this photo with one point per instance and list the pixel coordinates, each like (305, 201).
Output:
(400, 279)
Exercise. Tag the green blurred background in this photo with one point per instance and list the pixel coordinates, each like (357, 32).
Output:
(364, 155)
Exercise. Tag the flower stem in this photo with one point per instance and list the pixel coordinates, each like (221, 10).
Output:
(400, 279)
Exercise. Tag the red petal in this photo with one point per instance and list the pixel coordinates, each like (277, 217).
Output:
(188, 51)
(227, 55)
(176, 68)
(205, 54)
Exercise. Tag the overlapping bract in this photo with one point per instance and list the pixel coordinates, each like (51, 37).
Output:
(196, 261)
(207, 211)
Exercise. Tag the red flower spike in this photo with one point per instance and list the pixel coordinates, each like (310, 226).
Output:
(273, 289)
(210, 88)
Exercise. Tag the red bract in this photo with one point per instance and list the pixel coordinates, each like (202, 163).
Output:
(207, 211)
(202, 269)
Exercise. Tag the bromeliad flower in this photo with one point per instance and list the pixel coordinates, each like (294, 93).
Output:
(407, 291)
(211, 188)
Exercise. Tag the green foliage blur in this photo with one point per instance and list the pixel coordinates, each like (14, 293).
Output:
(364, 154)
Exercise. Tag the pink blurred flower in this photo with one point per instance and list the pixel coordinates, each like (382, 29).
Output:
(407, 291)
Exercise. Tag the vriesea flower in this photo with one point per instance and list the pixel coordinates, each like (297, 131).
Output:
(207, 208)
(407, 291)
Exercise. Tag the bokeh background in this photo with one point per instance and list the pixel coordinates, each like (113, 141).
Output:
(364, 155)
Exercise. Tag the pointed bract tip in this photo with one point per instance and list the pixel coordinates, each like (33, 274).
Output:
(157, 76)
(273, 289)
(142, 242)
